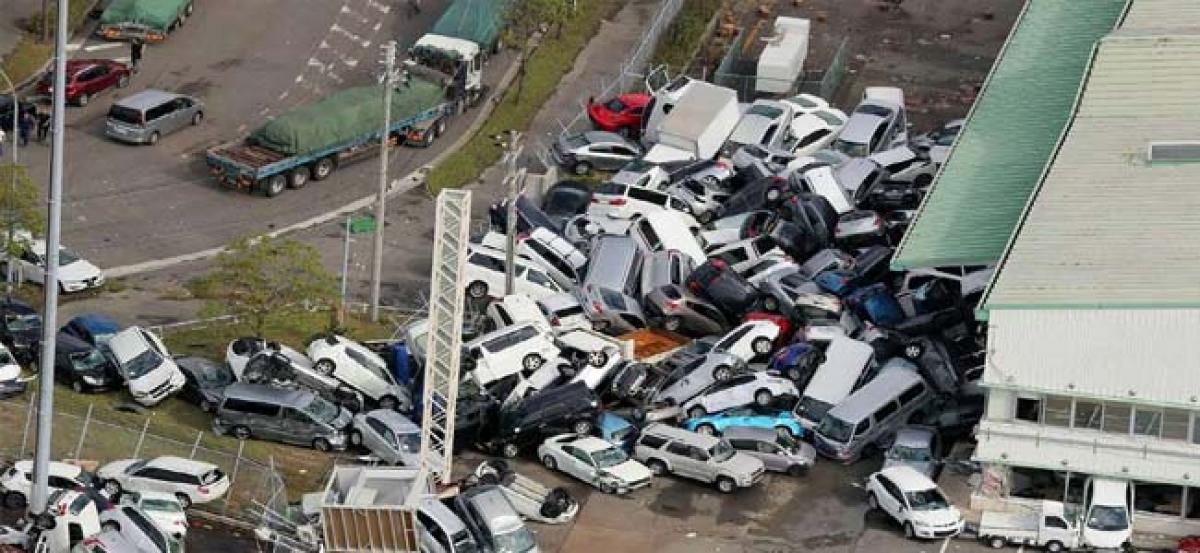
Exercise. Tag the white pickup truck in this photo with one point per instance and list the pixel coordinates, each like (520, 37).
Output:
(1049, 525)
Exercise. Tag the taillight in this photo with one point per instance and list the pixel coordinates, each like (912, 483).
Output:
(719, 264)
(554, 321)
(595, 200)
(672, 304)
(202, 489)
(598, 307)
(722, 165)
(617, 201)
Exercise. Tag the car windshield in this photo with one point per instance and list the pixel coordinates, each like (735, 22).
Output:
(812, 409)
(927, 500)
(125, 115)
(721, 452)
(89, 360)
(852, 149)
(141, 365)
(577, 141)
(610, 457)
(218, 376)
(615, 105)
(828, 117)
(910, 453)
(873, 109)
(66, 257)
(835, 429)
(161, 506)
(410, 442)
(516, 541)
(770, 112)
(22, 321)
(1108, 518)
(321, 410)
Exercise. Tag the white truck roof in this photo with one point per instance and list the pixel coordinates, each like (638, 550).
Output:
(783, 57)
(464, 48)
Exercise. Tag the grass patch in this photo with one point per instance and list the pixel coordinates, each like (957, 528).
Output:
(678, 43)
(30, 54)
(545, 68)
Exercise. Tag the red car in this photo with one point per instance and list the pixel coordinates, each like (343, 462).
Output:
(1190, 544)
(87, 78)
(622, 114)
(784, 324)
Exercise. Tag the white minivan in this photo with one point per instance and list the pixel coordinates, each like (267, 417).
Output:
(484, 274)
(659, 231)
(520, 348)
(146, 365)
(846, 362)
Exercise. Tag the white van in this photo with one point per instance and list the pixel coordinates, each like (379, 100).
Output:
(562, 261)
(1109, 521)
(622, 201)
(521, 348)
(513, 309)
(658, 231)
(146, 365)
(846, 362)
(484, 273)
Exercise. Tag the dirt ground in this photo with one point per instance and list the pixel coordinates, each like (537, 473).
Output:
(938, 51)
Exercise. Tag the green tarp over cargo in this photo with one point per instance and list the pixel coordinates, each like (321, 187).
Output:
(343, 117)
(479, 21)
(155, 14)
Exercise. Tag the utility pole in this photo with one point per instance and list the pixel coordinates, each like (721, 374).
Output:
(45, 420)
(389, 81)
(12, 187)
(515, 181)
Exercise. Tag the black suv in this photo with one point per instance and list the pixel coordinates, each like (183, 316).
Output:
(569, 408)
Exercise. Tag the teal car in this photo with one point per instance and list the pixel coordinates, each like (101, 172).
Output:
(782, 421)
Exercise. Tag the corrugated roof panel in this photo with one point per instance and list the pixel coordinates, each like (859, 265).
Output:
(1107, 227)
(1011, 132)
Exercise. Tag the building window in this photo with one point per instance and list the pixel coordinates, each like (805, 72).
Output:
(1196, 428)
(1116, 418)
(1088, 414)
(1057, 411)
(1193, 504)
(1029, 409)
(1147, 422)
(1031, 483)
(1158, 499)
(1175, 424)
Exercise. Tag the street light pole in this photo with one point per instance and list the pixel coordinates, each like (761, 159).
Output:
(389, 81)
(12, 188)
(515, 181)
(41, 464)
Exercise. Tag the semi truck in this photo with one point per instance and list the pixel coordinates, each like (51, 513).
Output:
(459, 44)
(312, 141)
(146, 20)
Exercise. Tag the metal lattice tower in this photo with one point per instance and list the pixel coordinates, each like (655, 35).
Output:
(446, 305)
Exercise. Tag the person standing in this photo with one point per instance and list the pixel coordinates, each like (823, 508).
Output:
(135, 52)
(25, 124)
(43, 124)
(2, 144)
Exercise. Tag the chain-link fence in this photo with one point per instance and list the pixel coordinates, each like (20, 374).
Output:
(738, 71)
(89, 438)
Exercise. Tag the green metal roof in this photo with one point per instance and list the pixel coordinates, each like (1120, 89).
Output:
(1012, 130)
(1108, 227)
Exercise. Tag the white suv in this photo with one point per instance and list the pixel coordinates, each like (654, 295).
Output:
(758, 388)
(360, 368)
(484, 275)
(914, 501)
(17, 481)
(749, 340)
(520, 348)
(189, 481)
(146, 365)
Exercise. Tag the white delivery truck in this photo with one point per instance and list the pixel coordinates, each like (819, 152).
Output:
(782, 58)
(1049, 525)
(696, 126)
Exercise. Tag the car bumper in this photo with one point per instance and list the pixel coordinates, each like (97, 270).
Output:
(626, 487)
(937, 532)
(81, 285)
(11, 388)
(125, 134)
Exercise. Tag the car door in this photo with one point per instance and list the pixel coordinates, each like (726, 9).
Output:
(698, 459)
(771, 456)
(579, 464)
(181, 113)
(294, 427)
(148, 479)
(728, 394)
(33, 267)
(892, 499)
(381, 440)
(681, 460)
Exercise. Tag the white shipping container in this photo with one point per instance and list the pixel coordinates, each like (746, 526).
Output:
(782, 59)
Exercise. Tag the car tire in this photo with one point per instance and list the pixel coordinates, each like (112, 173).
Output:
(914, 351)
(606, 488)
(771, 303)
(706, 429)
(185, 501)
(726, 484)
(532, 362)
(83, 99)
(761, 346)
(763, 398)
(390, 403)
(582, 168)
(77, 386)
(657, 468)
(197, 118)
(773, 194)
(241, 432)
(274, 185)
(322, 445)
(582, 428)
(797, 470)
(872, 501)
(110, 526)
(549, 462)
(153, 138)
(15, 501)
(112, 487)
(123, 81)
(672, 324)
(298, 178)
(1054, 547)
(705, 217)
(324, 366)
(909, 533)
(598, 359)
(323, 168)
(922, 181)
(356, 438)
(722, 373)
(477, 289)
(509, 450)
(696, 412)
(997, 542)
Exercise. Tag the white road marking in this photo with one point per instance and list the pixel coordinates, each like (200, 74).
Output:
(283, 95)
(74, 46)
(350, 62)
(384, 8)
(314, 62)
(377, 27)
(340, 30)
(334, 77)
(323, 45)
(361, 18)
(299, 78)
(945, 544)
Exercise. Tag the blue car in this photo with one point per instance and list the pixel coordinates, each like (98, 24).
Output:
(780, 420)
(92, 328)
(797, 362)
(616, 430)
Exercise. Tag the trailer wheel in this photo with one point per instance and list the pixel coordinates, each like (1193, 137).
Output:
(298, 178)
(274, 185)
(323, 168)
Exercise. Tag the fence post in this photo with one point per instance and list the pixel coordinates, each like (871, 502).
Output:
(196, 445)
(25, 435)
(83, 431)
(137, 451)
(237, 461)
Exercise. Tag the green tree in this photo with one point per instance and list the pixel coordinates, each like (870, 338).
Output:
(20, 208)
(525, 20)
(263, 279)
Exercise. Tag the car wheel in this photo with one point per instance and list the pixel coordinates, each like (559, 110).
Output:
(112, 488)
(82, 100)
(241, 432)
(711, 181)
(298, 178)
(197, 118)
(510, 450)
(706, 429)
(389, 402)
(582, 168)
(797, 470)
(477, 289)
(275, 185)
(771, 303)
(908, 531)
(722, 373)
(872, 502)
(657, 468)
(922, 181)
(356, 438)
(763, 398)
(914, 351)
(14, 501)
(672, 324)
(153, 138)
(705, 218)
(184, 500)
(123, 81)
(324, 366)
(598, 358)
(696, 412)
(773, 194)
(323, 168)
(1054, 547)
(77, 386)
(582, 428)
(322, 445)
(110, 526)
(549, 462)
(761, 346)
(532, 362)
(726, 485)
(997, 542)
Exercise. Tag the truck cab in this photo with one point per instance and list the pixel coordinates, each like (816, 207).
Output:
(461, 60)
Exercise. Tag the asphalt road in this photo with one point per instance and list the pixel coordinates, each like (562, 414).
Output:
(247, 61)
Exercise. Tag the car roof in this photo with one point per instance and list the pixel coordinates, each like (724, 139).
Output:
(559, 301)
(95, 321)
(57, 468)
(855, 170)
(68, 343)
(394, 420)
(180, 464)
(749, 432)
(262, 392)
(197, 364)
(914, 436)
(147, 99)
(907, 478)
(860, 127)
(895, 377)
(675, 433)
(603, 136)
(491, 504)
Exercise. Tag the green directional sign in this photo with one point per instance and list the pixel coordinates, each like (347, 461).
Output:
(362, 224)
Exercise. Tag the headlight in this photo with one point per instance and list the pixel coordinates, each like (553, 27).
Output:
(140, 394)
(517, 430)
(94, 380)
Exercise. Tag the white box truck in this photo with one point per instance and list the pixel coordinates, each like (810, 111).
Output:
(782, 58)
(697, 125)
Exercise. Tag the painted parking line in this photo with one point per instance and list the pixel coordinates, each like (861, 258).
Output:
(945, 544)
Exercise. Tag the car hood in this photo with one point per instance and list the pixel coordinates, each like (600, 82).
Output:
(79, 270)
(9, 372)
(1101, 539)
(742, 465)
(115, 469)
(629, 471)
(940, 517)
(161, 374)
(923, 467)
